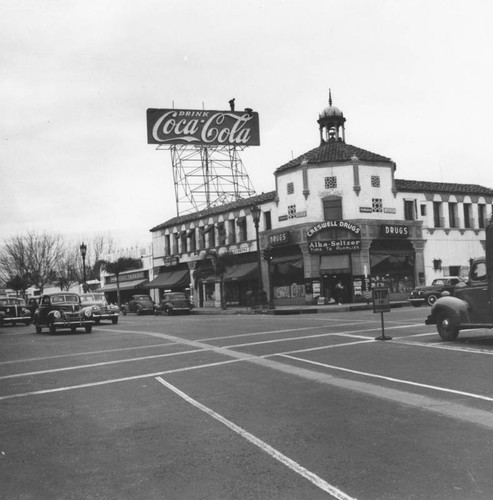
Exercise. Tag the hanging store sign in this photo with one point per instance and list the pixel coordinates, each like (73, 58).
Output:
(334, 246)
(139, 275)
(394, 231)
(202, 127)
(333, 224)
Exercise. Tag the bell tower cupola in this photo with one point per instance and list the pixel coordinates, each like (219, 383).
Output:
(331, 124)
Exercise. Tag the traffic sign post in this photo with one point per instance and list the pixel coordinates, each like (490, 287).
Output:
(381, 304)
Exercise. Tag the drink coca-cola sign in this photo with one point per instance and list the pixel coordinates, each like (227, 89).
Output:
(193, 126)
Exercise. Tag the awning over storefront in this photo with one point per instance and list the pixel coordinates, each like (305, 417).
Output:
(241, 271)
(246, 270)
(124, 285)
(171, 279)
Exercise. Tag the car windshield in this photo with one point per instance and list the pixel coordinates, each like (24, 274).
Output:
(176, 296)
(57, 299)
(92, 297)
(438, 282)
(143, 298)
(11, 302)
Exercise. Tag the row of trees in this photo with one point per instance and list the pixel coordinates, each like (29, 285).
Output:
(40, 258)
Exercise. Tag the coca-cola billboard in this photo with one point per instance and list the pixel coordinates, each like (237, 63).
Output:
(193, 126)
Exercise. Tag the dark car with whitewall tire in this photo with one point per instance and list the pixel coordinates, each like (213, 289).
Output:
(62, 311)
(101, 309)
(430, 293)
(13, 310)
(140, 304)
(175, 303)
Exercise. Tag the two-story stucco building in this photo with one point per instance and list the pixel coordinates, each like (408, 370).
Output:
(337, 214)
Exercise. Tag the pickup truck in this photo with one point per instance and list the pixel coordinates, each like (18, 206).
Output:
(472, 304)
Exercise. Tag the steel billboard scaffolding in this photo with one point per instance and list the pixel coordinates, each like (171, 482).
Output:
(207, 176)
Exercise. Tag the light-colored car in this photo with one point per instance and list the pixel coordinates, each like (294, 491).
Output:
(101, 309)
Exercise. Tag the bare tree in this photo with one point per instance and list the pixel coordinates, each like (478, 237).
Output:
(34, 257)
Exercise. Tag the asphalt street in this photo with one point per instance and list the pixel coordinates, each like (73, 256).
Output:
(247, 407)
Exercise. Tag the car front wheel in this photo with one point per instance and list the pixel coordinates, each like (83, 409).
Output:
(88, 328)
(114, 320)
(432, 299)
(52, 328)
(446, 326)
(39, 328)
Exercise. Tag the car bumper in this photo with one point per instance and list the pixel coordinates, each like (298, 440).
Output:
(106, 315)
(417, 300)
(15, 319)
(68, 323)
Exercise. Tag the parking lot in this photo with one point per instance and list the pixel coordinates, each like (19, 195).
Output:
(247, 406)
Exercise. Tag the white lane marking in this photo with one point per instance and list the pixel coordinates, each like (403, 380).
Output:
(102, 363)
(390, 379)
(122, 379)
(320, 348)
(87, 353)
(287, 330)
(318, 335)
(446, 347)
(288, 462)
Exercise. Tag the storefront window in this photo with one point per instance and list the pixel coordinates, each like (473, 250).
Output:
(288, 278)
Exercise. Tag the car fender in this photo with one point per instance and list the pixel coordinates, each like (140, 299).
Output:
(51, 315)
(457, 308)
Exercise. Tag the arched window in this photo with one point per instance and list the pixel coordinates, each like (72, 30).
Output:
(332, 207)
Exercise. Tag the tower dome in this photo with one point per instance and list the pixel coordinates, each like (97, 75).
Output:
(331, 123)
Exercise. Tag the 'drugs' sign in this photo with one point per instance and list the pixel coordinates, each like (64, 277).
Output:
(202, 127)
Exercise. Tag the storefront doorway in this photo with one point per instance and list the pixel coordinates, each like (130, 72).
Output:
(332, 292)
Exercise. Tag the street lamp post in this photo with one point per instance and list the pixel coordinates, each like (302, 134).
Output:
(256, 211)
(83, 251)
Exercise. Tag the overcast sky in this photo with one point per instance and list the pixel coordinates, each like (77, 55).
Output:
(413, 78)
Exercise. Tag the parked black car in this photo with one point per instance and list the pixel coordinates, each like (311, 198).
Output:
(62, 310)
(175, 302)
(140, 304)
(429, 294)
(13, 310)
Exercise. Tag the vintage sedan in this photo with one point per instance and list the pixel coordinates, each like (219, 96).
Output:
(429, 294)
(140, 304)
(101, 310)
(175, 302)
(62, 311)
(13, 310)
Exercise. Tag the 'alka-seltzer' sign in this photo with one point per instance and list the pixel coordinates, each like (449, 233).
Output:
(334, 246)
(333, 224)
(193, 126)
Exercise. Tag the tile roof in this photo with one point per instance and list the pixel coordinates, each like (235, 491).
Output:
(334, 151)
(235, 205)
(441, 187)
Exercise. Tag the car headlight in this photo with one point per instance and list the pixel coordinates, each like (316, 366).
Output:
(57, 314)
(88, 313)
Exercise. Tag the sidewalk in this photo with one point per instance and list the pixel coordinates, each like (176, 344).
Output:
(284, 310)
